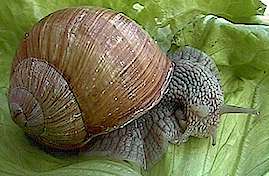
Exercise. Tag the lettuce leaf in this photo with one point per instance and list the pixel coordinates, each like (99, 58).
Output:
(227, 30)
(242, 55)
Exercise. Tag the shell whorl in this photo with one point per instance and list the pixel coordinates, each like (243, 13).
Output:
(43, 104)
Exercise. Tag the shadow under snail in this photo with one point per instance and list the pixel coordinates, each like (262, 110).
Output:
(92, 77)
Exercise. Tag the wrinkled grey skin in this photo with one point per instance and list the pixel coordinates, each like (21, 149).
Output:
(190, 107)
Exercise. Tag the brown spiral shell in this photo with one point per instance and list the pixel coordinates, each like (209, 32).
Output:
(84, 71)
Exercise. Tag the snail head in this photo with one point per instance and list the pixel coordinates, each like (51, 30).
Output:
(198, 90)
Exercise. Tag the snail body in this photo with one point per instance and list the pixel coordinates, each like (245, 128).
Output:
(91, 76)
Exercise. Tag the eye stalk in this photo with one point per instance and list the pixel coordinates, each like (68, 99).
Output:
(203, 112)
(225, 109)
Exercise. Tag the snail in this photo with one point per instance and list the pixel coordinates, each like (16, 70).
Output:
(89, 77)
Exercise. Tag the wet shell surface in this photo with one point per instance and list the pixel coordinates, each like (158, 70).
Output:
(84, 71)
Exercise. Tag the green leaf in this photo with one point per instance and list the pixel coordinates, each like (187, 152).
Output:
(241, 52)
